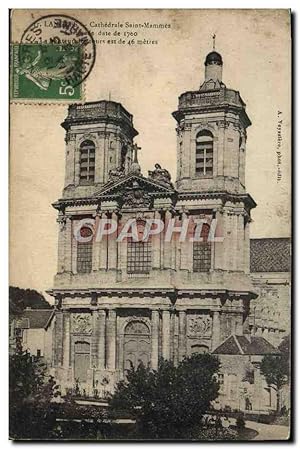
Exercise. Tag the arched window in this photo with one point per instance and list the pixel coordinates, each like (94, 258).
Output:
(136, 328)
(85, 252)
(202, 251)
(87, 162)
(204, 154)
(139, 257)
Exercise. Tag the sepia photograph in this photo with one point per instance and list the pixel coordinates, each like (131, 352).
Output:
(150, 225)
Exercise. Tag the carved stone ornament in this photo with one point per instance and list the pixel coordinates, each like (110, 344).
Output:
(199, 325)
(116, 173)
(136, 328)
(135, 196)
(81, 323)
(62, 220)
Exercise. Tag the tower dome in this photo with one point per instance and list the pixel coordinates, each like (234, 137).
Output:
(213, 58)
(213, 67)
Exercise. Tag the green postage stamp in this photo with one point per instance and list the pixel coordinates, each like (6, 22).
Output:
(46, 72)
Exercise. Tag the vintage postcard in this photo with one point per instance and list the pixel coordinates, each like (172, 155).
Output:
(150, 224)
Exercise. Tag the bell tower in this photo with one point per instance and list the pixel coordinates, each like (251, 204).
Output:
(99, 138)
(211, 134)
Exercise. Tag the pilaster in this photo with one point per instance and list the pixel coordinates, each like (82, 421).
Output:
(111, 340)
(182, 335)
(154, 338)
(166, 334)
(101, 338)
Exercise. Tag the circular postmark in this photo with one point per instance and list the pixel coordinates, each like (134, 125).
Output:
(75, 50)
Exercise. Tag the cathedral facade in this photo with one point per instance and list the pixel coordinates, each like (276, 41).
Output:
(122, 302)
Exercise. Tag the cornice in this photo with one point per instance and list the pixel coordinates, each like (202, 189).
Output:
(171, 293)
(224, 195)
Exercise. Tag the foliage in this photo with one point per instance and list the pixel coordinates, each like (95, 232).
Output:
(276, 369)
(20, 298)
(169, 402)
(211, 434)
(30, 393)
(285, 350)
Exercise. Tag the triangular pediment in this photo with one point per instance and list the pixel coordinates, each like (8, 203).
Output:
(134, 181)
(134, 191)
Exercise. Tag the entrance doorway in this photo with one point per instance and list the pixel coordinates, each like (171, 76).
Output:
(82, 361)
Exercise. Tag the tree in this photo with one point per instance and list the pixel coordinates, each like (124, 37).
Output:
(169, 402)
(20, 298)
(276, 369)
(31, 390)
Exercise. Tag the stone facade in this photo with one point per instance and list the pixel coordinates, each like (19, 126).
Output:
(109, 315)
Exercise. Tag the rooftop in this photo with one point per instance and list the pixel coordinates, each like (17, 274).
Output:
(270, 255)
(98, 111)
(35, 319)
(239, 344)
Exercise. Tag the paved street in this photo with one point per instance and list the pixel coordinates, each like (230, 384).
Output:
(268, 432)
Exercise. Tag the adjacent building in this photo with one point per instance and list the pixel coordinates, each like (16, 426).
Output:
(33, 329)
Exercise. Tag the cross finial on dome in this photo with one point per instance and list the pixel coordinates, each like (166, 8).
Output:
(214, 41)
(136, 148)
(135, 166)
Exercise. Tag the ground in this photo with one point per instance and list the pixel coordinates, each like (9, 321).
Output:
(269, 431)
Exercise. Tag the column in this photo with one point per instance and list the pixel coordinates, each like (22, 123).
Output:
(182, 335)
(220, 156)
(66, 339)
(111, 340)
(61, 220)
(247, 249)
(68, 245)
(242, 164)
(240, 242)
(58, 337)
(120, 348)
(103, 249)
(188, 155)
(77, 166)
(70, 140)
(122, 249)
(166, 334)
(226, 241)
(156, 244)
(175, 340)
(96, 246)
(216, 329)
(94, 339)
(101, 338)
(112, 246)
(218, 247)
(234, 254)
(106, 155)
(154, 339)
(167, 251)
(184, 248)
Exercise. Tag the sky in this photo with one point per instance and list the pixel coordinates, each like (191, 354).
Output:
(147, 79)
